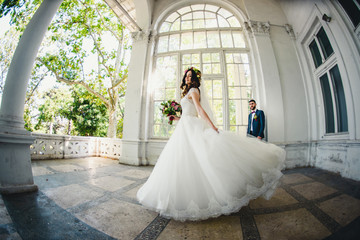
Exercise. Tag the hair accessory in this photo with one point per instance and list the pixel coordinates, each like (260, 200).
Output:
(197, 71)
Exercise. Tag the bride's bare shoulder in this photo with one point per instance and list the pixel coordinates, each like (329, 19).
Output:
(196, 90)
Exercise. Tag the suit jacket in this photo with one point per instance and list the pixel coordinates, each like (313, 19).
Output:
(258, 124)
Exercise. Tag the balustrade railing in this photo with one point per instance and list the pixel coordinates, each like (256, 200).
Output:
(48, 146)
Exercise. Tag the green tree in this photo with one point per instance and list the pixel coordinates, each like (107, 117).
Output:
(50, 118)
(88, 114)
(9, 6)
(65, 49)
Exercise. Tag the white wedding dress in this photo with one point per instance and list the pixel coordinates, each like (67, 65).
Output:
(201, 173)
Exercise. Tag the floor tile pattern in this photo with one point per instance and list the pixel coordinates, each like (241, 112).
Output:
(95, 198)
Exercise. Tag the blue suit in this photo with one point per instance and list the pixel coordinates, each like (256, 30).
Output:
(258, 124)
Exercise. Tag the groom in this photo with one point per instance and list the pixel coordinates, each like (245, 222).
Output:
(256, 123)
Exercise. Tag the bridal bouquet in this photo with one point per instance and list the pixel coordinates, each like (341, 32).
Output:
(169, 108)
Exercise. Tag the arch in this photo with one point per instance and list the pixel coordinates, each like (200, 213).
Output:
(229, 89)
(179, 4)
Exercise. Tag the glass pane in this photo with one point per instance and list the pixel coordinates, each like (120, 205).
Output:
(208, 88)
(215, 57)
(213, 39)
(224, 13)
(186, 40)
(186, 59)
(199, 23)
(207, 68)
(170, 79)
(230, 69)
(165, 27)
(211, 23)
(174, 42)
(184, 10)
(216, 68)
(245, 110)
(175, 26)
(186, 25)
(244, 58)
(223, 22)
(211, 8)
(217, 89)
(315, 53)
(158, 117)
(328, 104)
(326, 47)
(340, 99)
(234, 74)
(172, 17)
(234, 22)
(199, 40)
(206, 57)
(187, 16)
(239, 40)
(246, 92)
(245, 78)
(170, 94)
(198, 15)
(218, 111)
(163, 44)
(234, 92)
(229, 58)
(195, 58)
(159, 94)
(209, 15)
(234, 112)
(226, 40)
(237, 58)
(352, 10)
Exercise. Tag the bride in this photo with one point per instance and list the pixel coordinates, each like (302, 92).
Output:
(203, 172)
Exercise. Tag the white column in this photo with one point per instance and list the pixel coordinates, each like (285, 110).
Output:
(15, 163)
(133, 142)
(270, 94)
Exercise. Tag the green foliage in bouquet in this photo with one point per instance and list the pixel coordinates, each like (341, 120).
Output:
(170, 109)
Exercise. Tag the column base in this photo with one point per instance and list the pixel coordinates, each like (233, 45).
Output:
(133, 152)
(18, 189)
(15, 161)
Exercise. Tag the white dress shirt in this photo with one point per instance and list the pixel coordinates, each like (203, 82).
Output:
(252, 119)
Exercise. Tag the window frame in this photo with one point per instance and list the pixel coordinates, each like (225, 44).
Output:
(223, 76)
(317, 72)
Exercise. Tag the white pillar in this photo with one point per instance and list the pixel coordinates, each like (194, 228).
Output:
(15, 163)
(270, 95)
(133, 141)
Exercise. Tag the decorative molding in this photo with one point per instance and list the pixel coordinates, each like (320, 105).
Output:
(141, 36)
(257, 27)
(290, 31)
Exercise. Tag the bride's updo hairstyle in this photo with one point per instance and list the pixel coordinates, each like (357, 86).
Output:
(195, 81)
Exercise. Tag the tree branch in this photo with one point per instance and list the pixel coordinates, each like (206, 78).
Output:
(69, 82)
(107, 26)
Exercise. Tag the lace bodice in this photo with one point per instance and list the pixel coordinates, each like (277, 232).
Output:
(188, 106)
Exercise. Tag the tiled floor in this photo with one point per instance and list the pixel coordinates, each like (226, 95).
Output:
(94, 198)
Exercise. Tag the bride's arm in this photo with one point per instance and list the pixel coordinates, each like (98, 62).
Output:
(195, 96)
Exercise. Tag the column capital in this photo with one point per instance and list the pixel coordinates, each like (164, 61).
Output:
(257, 27)
(141, 35)
(290, 31)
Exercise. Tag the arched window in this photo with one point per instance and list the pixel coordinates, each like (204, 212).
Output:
(210, 38)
